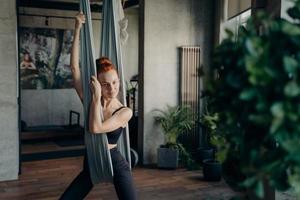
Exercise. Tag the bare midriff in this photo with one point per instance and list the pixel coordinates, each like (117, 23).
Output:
(110, 146)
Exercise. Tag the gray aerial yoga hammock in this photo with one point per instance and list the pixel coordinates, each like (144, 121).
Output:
(98, 154)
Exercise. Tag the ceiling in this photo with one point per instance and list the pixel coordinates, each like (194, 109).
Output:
(96, 5)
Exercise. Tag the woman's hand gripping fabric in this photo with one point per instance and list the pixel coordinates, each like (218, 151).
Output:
(80, 19)
(95, 88)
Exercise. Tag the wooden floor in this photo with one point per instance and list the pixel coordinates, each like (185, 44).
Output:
(48, 179)
(46, 147)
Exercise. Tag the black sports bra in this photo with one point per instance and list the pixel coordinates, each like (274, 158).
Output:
(114, 135)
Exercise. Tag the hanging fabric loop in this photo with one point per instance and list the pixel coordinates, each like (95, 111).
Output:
(99, 159)
(111, 48)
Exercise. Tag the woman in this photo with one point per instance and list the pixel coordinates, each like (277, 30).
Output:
(104, 88)
(27, 62)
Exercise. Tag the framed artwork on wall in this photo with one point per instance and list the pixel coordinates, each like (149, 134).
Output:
(45, 58)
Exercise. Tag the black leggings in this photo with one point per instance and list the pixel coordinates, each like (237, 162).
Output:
(122, 179)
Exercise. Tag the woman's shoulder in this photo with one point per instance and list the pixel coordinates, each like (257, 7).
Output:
(121, 108)
(120, 105)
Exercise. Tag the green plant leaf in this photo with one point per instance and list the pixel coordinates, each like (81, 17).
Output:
(174, 121)
(259, 189)
(258, 119)
(277, 110)
(290, 29)
(254, 47)
(229, 33)
(292, 89)
(290, 64)
(248, 94)
(291, 145)
(249, 182)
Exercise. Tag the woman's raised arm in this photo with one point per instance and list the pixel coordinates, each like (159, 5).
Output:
(80, 19)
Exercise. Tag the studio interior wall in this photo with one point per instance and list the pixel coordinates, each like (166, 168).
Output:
(9, 135)
(168, 25)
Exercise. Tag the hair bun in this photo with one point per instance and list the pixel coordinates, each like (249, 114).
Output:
(103, 64)
(104, 61)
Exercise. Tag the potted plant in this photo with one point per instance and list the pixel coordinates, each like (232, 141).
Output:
(257, 93)
(208, 127)
(174, 121)
(206, 151)
(212, 167)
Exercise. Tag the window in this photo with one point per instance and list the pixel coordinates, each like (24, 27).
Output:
(234, 23)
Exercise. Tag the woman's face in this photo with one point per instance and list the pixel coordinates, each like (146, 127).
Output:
(110, 84)
(26, 57)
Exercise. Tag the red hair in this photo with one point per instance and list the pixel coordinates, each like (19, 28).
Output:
(103, 65)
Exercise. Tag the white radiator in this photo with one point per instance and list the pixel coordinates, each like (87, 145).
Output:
(190, 87)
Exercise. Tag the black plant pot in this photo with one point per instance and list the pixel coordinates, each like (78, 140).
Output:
(212, 170)
(204, 154)
(167, 158)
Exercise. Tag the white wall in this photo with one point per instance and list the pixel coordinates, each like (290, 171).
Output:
(130, 49)
(9, 146)
(168, 25)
